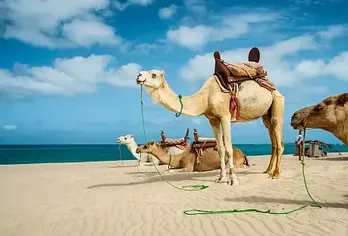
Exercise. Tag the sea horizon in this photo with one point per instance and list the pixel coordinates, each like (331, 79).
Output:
(65, 153)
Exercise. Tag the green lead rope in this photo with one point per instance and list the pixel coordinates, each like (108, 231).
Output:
(196, 187)
(201, 187)
(207, 212)
(181, 106)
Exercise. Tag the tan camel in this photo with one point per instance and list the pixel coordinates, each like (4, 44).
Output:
(255, 101)
(330, 115)
(189, 160)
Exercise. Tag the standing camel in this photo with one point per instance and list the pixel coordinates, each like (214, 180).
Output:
(330, 115)
(254, 101)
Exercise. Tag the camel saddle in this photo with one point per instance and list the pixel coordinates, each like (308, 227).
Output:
(181, 143)
(235, 73)
(201, 143)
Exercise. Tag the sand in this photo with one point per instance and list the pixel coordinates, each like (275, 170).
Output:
(103, 199)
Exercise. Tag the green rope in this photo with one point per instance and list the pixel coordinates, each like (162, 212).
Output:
(201, 187)
(181, 106)
(196, 187)
(207, 212)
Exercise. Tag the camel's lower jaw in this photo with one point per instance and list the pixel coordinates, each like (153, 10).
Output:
(297, 126)
(140, 82)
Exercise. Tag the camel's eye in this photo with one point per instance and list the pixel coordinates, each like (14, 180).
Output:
(153, 75)
(145, 146)
(125, 138)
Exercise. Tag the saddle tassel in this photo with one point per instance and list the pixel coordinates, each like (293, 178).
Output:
(234, 103)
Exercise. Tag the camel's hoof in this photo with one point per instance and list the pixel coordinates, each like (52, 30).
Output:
(233, 183)
(222, 180)
(267, 172)
(275, 175)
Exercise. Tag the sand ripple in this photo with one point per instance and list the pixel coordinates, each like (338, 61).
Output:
(92, 199)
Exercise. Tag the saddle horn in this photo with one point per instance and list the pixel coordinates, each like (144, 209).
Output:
(254, 55)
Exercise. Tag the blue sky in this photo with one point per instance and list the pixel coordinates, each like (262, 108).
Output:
(67, 68)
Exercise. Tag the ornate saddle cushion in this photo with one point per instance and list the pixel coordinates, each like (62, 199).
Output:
(249, 69)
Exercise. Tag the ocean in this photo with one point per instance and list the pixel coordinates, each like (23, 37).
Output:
(30, 154)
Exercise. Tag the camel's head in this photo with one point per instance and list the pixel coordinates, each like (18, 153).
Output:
(147, 148)
(127, 139)
(324, 115)
(153, 79)
(298, 118)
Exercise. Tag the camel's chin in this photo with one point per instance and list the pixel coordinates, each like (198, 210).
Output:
(297, 127)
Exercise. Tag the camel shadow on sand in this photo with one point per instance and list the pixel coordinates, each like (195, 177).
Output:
(256, 199)
(340, 158)
(172, 177)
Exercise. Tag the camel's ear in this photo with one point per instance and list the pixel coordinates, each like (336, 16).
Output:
(342, 99)
(152, 142)
(131, 136)
(162, 72)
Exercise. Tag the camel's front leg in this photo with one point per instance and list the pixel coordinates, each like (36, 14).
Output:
(226, 129)
(215, 124)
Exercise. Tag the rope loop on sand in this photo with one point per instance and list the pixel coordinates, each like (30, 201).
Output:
(314, 203)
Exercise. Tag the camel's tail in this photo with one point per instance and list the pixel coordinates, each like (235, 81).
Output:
(246, 161)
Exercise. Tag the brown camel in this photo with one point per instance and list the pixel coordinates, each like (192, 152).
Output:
(330, 115)
(254, 101)
(189, 160)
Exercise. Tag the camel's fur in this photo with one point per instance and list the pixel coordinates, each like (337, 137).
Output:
(132, 146)
(209, 160)
(254, 102)
(331, 115)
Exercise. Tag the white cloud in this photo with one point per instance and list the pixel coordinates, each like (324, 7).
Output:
(337, 67)
(122, 6)
(167, 12)
(66, 77)
(10, 127)
(85, 33)
(59, 23)
(194, 37)
(274, 58)
(333, 32)
(197, 120)
(195, 6)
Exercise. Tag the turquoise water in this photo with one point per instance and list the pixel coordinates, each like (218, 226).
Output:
(29, 154)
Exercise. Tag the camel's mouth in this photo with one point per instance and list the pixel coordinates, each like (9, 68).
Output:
(297, 125)
(140, 81)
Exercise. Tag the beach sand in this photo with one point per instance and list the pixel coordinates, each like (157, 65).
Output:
(102, 198)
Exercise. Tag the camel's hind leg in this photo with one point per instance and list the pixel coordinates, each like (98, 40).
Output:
(277, 119)
(267, 122)
(215, 124)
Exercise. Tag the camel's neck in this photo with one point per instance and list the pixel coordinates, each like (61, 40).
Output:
(194, 105)
(132, 147)
(341, 132)
(163, 156)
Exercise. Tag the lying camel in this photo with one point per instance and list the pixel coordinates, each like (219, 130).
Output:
(173, 146)
(330, 115)
(190, 160)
